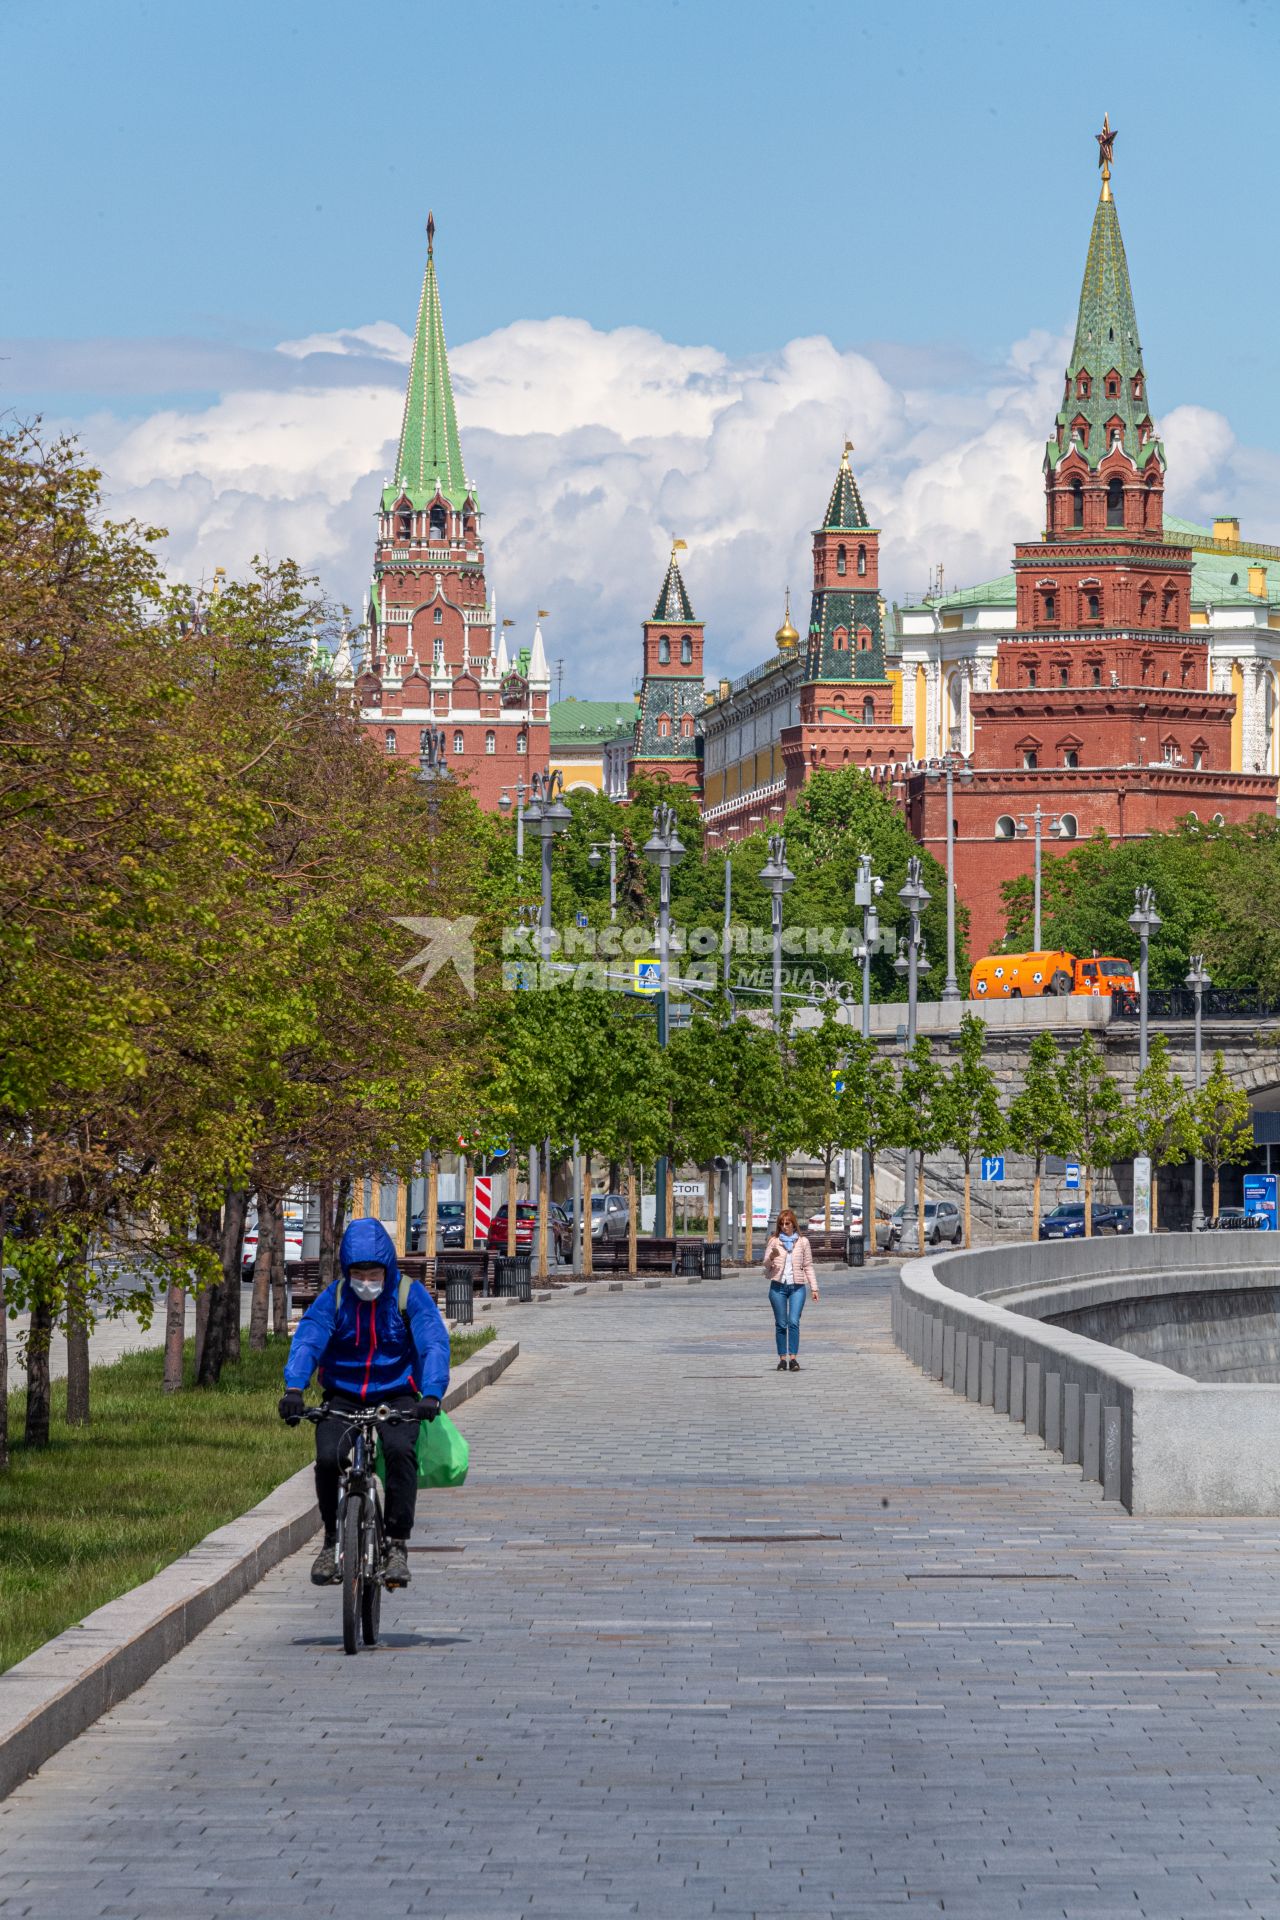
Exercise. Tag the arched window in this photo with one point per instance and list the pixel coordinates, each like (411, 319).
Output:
(1005, 827)
(842, 564)
(664, 652)
(686, 651)
(1068, 827)
(1064, 676)
(1169, 608)
(391, 739)
(840, 640)
(404, 524)
(664, 726)
(868, 712)
(438, 616)
(1082, 387)
(1152, 501)
(686, 727)
(1146, 604)
(1115, 501)
(1095, 675)
(1050, 606)
(1031, 676)
(1197, 759)
(862, 559)
(1030, 759)
(438, 522)
(864, 639)
(522, 741)
(1071, 756)
(491, 742)
(459, 744)
(1077, 504)
(1093, 606)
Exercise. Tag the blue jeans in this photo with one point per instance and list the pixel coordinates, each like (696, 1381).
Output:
(788, 1305)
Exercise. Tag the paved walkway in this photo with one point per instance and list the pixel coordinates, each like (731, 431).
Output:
(621, 1685)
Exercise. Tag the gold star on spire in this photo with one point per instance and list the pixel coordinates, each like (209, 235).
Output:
(1106, 141)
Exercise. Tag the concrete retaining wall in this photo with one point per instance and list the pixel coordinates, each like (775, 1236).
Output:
(1153, 1439)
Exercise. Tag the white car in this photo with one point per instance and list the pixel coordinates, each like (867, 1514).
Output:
(292, 1246)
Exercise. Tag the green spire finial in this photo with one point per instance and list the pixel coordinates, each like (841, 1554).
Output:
(430, 450)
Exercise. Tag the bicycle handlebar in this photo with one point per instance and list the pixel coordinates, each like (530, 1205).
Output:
(380, 1415)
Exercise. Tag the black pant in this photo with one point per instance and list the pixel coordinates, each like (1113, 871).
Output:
(399, 1444)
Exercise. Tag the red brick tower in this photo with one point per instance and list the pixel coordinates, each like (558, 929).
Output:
(1101, 708)
(430, 654)
(672, 693)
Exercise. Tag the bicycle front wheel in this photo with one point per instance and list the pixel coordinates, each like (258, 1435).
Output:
(352, 1575)
(371, 1611)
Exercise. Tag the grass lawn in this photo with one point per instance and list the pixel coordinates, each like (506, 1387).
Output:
(106, 1506)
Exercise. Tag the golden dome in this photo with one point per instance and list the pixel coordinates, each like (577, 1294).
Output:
(786, 636)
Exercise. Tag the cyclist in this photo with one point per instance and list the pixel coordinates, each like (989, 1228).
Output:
(375, 1340)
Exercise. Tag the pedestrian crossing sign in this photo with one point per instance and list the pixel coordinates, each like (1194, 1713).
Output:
(648, 976)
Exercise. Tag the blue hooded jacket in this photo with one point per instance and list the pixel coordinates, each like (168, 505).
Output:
(368, 1348)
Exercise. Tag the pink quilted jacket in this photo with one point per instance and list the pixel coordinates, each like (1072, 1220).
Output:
(775, 1255)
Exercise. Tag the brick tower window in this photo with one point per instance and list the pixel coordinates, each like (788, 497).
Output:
(1077, 504)
(1115, 502)
(437, 522)
(522, 741)
(686, 651)
(438, 616)
(459, 744)
(864, 639)
(391, 740)
(686, 727)
(1070, 757)
(862, 559)
(840, 640)
(1031, 676)
(664, 726)
(664, 652)
(491, 742)
(404, 525)
(868, 712)
(1083, 387)
(1093, 606)
(1029, 759)
(1004, 827)
(842, 561)
(1050, 606)
(1169, 608)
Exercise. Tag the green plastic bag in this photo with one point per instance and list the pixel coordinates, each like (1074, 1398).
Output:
(443, 1454)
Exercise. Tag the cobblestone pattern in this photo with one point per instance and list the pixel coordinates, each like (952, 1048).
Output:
(617, 1687)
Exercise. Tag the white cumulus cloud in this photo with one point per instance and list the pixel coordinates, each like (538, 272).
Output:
(591, 450)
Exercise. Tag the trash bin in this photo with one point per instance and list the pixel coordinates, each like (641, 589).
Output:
(520, 1278)
(689, 1259)
(856, 1250)
(459, 1294)
(711, 1254)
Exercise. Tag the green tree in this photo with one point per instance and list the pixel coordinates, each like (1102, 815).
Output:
(703, 1087)
(1163, 1117)
(813, 1105)
(867, 1113)
(1102, 1132)
(918, 1126)
(971, 1120)
(1040, 1120)
(1223, 1124)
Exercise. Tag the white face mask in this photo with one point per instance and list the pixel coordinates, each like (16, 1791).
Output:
(367, 1286)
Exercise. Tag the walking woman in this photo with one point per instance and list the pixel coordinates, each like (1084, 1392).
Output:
(788, 1267)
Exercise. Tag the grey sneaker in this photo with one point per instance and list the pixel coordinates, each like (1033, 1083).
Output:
(395, 1570)
(324, 1568)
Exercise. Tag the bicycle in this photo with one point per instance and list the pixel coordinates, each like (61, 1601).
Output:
(361, 1552)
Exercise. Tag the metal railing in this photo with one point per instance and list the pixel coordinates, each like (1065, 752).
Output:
(1179, 1003)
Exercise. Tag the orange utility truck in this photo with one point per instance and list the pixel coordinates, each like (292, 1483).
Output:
(1020, 976)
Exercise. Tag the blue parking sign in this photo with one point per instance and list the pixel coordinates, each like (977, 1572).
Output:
(993, 1167)
(1073, 1174)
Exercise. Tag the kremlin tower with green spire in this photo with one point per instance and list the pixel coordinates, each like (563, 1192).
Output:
(1101, 711)
(434, 656)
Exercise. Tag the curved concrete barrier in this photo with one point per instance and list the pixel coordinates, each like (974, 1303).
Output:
(1154, 1439)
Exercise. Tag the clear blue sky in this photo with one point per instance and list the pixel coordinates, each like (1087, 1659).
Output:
(722, 171)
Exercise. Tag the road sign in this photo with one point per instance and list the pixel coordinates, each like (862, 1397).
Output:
(582, 919)
(837, 1081)
(1260, 1200)
(648, 976)
(993, 1167)
(688, 1190)
(1073, 1174)
(484, 1206)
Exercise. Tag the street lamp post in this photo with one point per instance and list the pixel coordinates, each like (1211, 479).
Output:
(1145, 921)
(594, 859)
(867, 890)
(549, 815)
(504, 801)
(1198, 980)
(947, 769)
(1054, 822)
(776, 876)
(666, 849)
(911, 961)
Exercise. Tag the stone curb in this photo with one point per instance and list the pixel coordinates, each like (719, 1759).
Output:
(65, 1685)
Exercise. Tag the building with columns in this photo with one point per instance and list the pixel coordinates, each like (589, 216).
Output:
(1098, 681)
(434, 655)
(828, 702)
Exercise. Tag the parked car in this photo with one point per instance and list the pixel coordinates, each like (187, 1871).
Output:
(451, 1226)
(943, 1220)
(558, 1221)
(1066, 1222)
(884, 1223)
(609, 1216)
(292, 1246)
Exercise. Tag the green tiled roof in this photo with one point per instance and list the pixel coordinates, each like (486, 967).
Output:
(1106, 341)
(845, 512)
(1000, 592)
(673, 606)
(577, 723)
(430, 450)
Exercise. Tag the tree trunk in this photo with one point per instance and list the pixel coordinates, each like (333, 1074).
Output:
(39, 1334)
(711, 1205)
(326, 1248)
(432, 1203)
(1035, 1202)
(968, 1219)
(203, 1298)
(615, 1175)
(175, 1333)
(1216, 1194)
(279, 1297)
(784, 1183)
(587, 1266)
(920, 1207)
(260, 1292)
(1088, 1202)
(748, 1223)
(826, 1195)
(4, 1369)
(631, 1215)
(544, 1204)
(223, 1311)
(77, 1323)
(869, 1234)
(669, 1208)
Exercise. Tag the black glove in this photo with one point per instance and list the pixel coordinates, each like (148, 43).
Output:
(428, 1406)
(292, 1405)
